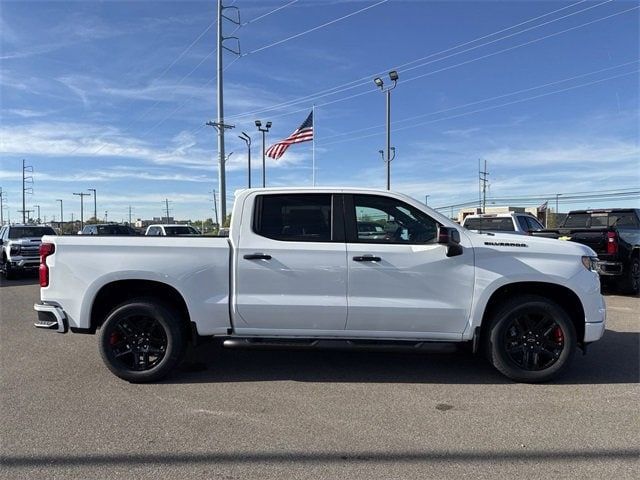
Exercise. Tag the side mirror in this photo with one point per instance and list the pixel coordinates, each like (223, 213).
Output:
(451, 238)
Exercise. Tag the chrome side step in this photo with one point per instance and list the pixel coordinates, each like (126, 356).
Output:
(51, 317)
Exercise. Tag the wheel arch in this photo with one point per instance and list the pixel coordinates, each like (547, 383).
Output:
(117, 292)
(563, 296)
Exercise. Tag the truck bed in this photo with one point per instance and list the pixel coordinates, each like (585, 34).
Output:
(198, 270)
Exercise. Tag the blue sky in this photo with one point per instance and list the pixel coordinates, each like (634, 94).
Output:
(114, 96)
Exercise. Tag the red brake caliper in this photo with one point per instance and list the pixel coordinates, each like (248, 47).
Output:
(114, 338)
(558, 336)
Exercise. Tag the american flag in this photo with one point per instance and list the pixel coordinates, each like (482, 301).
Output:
(303, 133)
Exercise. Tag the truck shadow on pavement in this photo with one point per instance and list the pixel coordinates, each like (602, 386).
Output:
(614, 359)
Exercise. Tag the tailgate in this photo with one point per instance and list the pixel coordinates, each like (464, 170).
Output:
(595, 238)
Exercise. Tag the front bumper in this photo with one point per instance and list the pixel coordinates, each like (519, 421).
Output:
(25, 263)
(51, 317)
(608, 269)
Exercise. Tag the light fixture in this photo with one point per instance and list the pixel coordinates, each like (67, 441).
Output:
(378, 81)
(258, 123)
(393, 75)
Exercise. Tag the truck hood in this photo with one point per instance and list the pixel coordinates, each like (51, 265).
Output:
(514, 243)
(26, 241)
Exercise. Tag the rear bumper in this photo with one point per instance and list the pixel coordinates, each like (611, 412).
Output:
(607, 269)
(51, 317)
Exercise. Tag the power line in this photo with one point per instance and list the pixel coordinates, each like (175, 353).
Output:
(517, 92)
(279, 42)
(487, 108)
(366, 79)
(563, 198)
(269, 13)
(367, 92)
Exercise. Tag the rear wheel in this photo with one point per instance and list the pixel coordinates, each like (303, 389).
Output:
(531, 339)
(142, 340)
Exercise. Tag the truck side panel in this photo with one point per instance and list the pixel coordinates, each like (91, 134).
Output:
(198, 268)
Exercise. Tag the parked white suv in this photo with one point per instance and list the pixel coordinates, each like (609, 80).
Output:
(519, 223)
(175, 230)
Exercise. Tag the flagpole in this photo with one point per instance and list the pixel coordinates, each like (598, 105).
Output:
(313, 148)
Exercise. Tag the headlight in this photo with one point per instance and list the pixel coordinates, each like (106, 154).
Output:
(14, 250)
(590, 263)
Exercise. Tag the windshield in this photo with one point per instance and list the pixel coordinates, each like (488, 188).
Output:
(504, 224)
(24, 232)
(184, 230)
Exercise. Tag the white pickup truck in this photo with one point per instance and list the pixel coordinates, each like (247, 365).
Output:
(296, 269)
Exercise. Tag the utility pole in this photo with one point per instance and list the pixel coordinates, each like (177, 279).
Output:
(129, 215)
(61, 218)
(1, 207)
(38, 207)
(82, 195)
(95, 203)
(26, 179)
(483, 181)
(166, 205)
(219, 124)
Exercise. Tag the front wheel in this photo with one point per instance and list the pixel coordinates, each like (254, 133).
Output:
(531, 339)
(142, 340)
(631, 282)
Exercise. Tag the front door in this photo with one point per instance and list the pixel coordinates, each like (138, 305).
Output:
(291, 266)
(400, 279)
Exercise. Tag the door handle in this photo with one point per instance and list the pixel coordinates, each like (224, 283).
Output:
(366, 258)
(257, 256)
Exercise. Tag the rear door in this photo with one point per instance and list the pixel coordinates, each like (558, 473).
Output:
(291, 268)
(403, 283)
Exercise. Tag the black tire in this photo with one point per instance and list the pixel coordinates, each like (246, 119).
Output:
(9, 273)
(631, 282)
(142, 340)
(530, 339)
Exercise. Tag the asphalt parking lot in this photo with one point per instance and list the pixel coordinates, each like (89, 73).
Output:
(312, 414)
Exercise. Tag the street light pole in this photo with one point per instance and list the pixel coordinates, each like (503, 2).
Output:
(247, 139)
(38, 207)
(393, 76)
(264, 131)
(61, 218)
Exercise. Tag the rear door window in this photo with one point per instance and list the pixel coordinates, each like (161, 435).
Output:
(297, 218)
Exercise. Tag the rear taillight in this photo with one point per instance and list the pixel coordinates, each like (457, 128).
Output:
(612, 243)
(46, 249)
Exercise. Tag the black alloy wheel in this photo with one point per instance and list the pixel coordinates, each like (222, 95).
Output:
(530, 338)
(533, 340)
(142, 340)
(138, 342)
